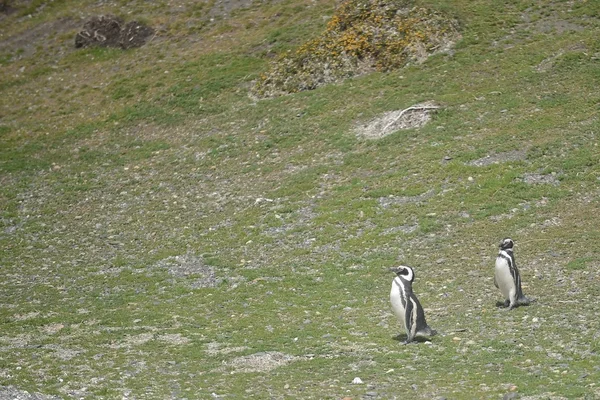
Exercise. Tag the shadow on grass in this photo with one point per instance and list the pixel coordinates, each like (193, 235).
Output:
(401, 337)
(505, 304)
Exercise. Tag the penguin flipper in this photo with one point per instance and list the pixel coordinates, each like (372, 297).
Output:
(496, 283)
(430, 331)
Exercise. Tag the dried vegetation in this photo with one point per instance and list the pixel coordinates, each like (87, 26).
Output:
(361, 37)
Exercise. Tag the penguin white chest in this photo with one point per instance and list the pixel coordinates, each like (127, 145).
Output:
(504, 278)
(396, 299)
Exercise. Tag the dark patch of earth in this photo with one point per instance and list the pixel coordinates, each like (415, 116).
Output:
(112, 31)
(27, 41)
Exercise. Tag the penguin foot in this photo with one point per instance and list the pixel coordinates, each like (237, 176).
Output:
(503, 304)
(525, 301)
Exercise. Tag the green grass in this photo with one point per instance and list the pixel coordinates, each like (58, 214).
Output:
(114, 163)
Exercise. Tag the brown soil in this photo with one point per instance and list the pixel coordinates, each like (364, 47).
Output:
(111, 31)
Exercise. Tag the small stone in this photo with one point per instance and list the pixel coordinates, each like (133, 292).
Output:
(510, 396)
(456, 339)
(357, 381)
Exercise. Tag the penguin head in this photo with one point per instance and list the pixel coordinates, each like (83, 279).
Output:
(507, 243)
(404, 272)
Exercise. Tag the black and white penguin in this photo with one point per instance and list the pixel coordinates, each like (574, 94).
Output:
(507, 277)
(406, 306)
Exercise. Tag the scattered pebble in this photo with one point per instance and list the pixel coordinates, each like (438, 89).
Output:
(357, 381)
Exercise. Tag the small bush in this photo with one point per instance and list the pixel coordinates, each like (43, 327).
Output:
(361, 37)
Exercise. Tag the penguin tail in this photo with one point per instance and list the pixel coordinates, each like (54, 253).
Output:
(525, 301)
(429, 331)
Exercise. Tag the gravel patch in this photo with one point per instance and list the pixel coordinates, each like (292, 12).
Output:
(540, 179)
(173, 338)
(386, 202)
(516, 155)
(133, 340)
(192, 268)
(214, 348)
(259, 362)
(12, 393)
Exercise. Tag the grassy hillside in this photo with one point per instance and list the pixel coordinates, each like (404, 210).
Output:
(165, 235)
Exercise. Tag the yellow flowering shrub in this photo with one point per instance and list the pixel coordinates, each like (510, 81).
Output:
(362, 36)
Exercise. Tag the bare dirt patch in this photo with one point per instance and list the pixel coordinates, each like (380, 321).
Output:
(260, 362)
(215, 348)
(44, 35)
(193, 268)
(517, 155)
(540, 179)
(133, 340)
(386, 202)
(173, 338)
(223, 8)
(412, 117)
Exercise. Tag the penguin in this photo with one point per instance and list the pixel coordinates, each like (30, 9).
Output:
(507, 277)
(406, 306)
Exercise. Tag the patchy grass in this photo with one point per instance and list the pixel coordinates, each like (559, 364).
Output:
(163, 235)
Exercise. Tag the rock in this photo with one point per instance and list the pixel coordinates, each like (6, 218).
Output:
(510, 396)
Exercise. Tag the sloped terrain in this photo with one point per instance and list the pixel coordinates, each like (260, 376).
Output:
(163, 234)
